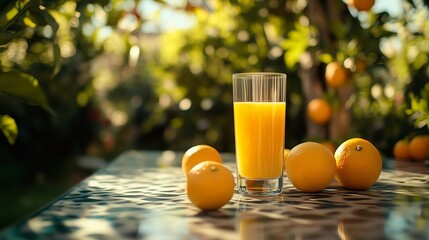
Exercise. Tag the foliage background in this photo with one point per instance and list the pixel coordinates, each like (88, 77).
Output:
(82, 81)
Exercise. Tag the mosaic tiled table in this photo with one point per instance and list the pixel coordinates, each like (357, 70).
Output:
(141, 195)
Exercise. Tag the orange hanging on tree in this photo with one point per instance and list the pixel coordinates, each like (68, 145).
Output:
(362, 5)
(336, 75)
(319, 111)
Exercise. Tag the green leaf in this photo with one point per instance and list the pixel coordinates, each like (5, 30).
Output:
(325, 58)
(293, 54)
(57, 58)
(9, 15)
(418, 111)
(9, 128)
(24, 87)
(50, 20)
(295, 45)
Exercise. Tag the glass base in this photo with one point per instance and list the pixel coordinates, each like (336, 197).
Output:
(259, 187)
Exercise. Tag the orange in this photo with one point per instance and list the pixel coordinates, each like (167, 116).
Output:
(419, 147)
(197, 154)
(335, 74)
(358, 164)
(319, 111)
(210, 185)
(401, 150)
(310, 167)
(362, 5)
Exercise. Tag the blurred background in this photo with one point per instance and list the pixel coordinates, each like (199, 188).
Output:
(83, 81)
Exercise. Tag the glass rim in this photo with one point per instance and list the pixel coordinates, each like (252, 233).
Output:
(246, 74)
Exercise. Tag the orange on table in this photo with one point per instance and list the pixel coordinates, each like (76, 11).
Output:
(419, 147)
(401, 150)
(359, 164)
(197, 154)
(319, 111)
(310, 167)
(335, 74)
(210, 185)
(362, 5)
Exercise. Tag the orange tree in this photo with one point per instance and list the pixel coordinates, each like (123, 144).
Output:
(54, 56)
(29, 57)
(384, 59)
(56, 59)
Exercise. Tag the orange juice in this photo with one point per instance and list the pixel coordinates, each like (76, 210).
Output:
(259, 138)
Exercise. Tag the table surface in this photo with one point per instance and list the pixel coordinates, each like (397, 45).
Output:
(141, 195)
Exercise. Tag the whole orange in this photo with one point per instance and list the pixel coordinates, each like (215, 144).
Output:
(335, 74)
(310, 167)
(210, 185)
(401, 150)
(419, 147)
(197, 154)
(362, 5)
(319, 111)
(359, 164)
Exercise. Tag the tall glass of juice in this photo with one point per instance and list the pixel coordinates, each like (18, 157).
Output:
(259, 127)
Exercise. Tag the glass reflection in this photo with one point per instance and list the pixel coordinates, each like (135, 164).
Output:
(257, 217)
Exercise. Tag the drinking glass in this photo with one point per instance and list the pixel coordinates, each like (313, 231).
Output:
(259, 127)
